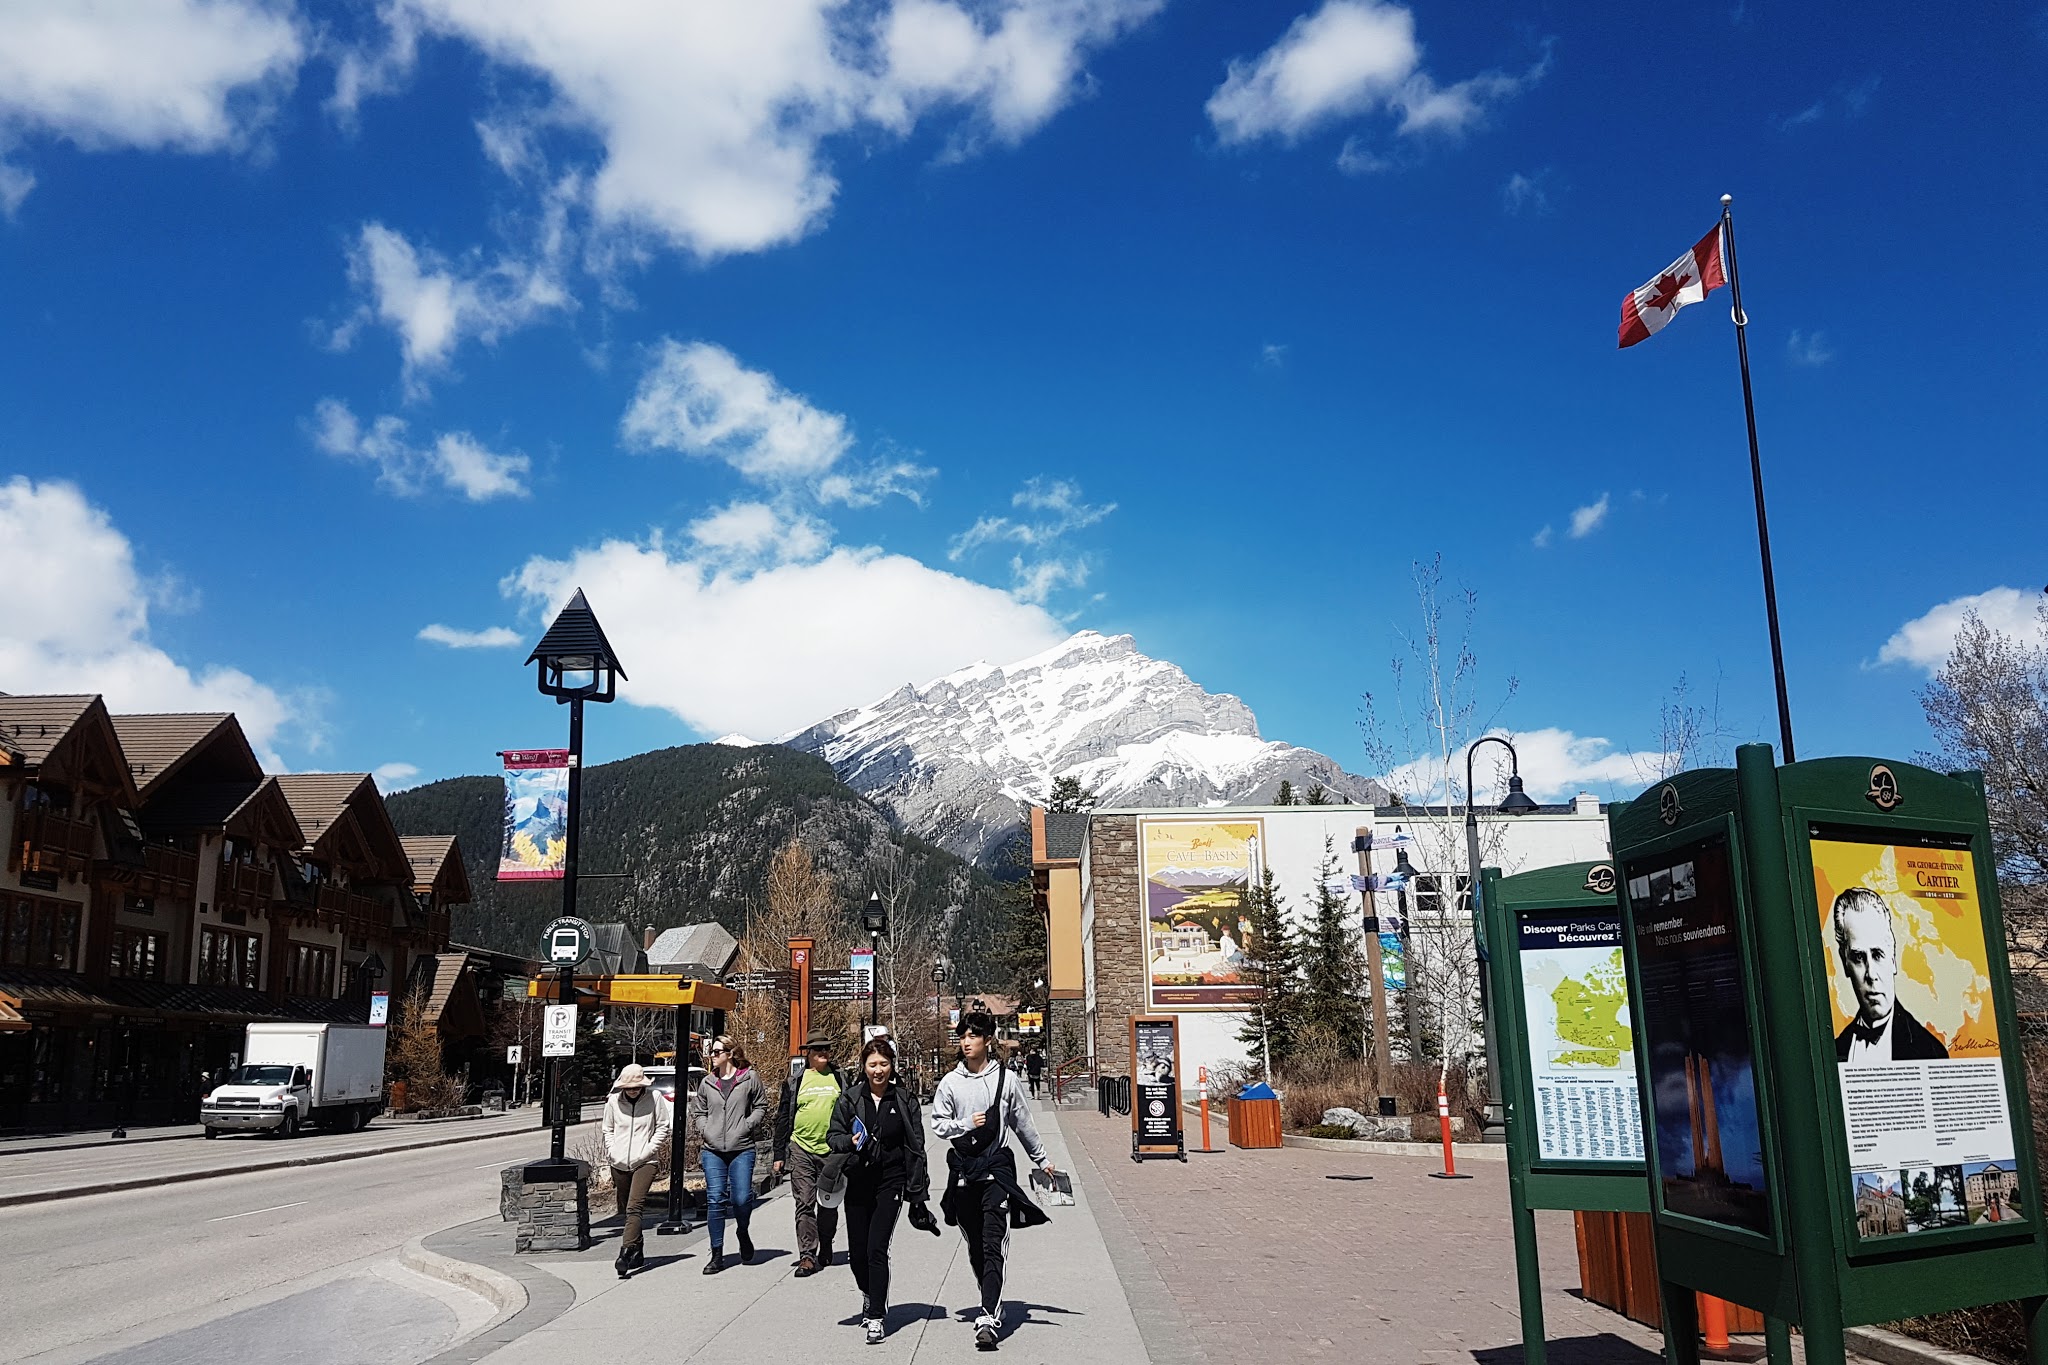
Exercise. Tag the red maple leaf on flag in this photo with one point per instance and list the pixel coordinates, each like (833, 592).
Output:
(1667, 287)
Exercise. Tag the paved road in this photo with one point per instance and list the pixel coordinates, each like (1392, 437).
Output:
(295, 1265)
(31, 1173)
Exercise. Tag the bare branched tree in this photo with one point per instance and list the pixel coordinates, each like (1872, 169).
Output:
(640, 1031)
(1417, 737)
(1988, 708)
(1690, 734)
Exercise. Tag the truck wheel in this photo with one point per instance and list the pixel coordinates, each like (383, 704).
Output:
(288, 1127)
(212, 1133)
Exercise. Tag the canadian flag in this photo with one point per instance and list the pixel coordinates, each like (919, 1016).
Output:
(1689, 279)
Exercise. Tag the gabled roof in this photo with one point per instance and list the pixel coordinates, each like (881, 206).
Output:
(256, 808)
(437, 864)
(694, 950)
(70, 739)
(616, 947)
(576, 634)
(163, 743)
(329, 806)
(33, 726)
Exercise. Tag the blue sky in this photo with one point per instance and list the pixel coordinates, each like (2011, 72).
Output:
(832, 346)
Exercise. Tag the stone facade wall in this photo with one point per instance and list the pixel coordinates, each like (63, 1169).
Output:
(1120, 954)
(553, 1215)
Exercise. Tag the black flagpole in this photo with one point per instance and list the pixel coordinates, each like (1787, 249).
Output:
(1756, 478)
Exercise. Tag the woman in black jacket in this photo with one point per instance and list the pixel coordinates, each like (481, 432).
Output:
(878, 1123)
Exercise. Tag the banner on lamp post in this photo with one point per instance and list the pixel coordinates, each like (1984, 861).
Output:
(536, 815)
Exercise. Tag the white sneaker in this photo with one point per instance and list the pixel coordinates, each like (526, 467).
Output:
(874, 1326)
(985, 1328)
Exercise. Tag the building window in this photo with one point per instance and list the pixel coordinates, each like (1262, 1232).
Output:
(137, 953)
(227, 958)
(39, 934)
(309, 971)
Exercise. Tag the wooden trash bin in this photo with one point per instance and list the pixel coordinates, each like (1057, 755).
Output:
(1255, 1123)
(1618, 1269)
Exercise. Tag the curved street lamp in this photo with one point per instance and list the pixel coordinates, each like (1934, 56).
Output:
(1517, 802)
(874, 917)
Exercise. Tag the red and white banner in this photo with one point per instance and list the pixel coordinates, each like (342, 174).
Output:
(1689, 279)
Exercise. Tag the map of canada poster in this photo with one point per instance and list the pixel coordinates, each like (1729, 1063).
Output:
(1581, 1048)
(1198, 928)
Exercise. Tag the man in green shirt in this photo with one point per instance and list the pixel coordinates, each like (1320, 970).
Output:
(802, 1121)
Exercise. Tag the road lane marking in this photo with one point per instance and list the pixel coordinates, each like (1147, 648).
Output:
(253, 1212)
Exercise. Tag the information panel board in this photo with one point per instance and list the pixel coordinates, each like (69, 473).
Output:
(1582, 1066)
(1918, 1054)
(1699, 1048)
(1155, 1086)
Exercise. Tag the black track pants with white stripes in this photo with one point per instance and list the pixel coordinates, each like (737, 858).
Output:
(985, 1223)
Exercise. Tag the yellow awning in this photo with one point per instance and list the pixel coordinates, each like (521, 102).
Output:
(643, 990)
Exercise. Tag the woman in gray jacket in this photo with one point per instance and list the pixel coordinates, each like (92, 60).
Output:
(729, 1107)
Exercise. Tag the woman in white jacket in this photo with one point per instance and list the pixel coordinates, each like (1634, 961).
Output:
(637, 1121)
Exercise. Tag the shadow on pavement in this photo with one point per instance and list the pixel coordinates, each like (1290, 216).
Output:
(1604, 1349)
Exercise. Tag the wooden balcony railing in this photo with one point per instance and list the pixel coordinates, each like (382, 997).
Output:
(168, 872)
(48, 842)
(244, 886)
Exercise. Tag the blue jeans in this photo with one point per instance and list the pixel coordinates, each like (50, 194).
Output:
(728, 1191)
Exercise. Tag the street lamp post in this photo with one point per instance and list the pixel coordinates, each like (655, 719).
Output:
(874, 917)
(1405, 870)
(576, 665)
(938, 1019)
(1517, 802)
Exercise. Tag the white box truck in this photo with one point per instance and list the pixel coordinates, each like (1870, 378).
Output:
(295, 1074)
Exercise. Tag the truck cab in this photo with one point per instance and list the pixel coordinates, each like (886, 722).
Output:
(276, 1096)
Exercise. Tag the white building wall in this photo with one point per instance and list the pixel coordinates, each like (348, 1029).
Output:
(1294, 845)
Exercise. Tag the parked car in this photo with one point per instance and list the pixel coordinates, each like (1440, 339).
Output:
(295, 1074)
(663, 1078)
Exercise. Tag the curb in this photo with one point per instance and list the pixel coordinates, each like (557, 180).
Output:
(84, 1143)
(1481, 1151)
(187, 1177)
(1891, 1348)
(503, 1292)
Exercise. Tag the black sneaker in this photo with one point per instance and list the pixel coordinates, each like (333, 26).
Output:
(805, 1267)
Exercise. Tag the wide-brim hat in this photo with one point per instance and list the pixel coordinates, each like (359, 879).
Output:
(630, 1076)
(820, 1041)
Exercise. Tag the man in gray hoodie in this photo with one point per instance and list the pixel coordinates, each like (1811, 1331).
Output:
(982, 1190)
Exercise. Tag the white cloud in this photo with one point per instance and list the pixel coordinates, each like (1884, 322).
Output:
(711, 117)
(1808, 348)
(393, 777)
(1060, 511)
(1555, 765)
(1926, 641)
(768, 651)
(433, 304)
(176, 75)
(699, 399)
(1844, 102)
(1541, 540)
(884, 478)
(756, 533)
(1588, 519)
(456, 460)
(1273, 356)
(1527, 193)
(77, 620)
(363, 72)
(1349, 59)
(491, 637)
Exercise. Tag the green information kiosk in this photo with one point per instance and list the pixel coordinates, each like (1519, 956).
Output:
(1835, 1097)
(1559, 983)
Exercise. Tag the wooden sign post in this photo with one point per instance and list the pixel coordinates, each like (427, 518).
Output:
(800, 998)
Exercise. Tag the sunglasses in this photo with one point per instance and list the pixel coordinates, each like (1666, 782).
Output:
(720, 1051)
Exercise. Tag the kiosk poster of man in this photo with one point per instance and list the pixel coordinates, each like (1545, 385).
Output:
(1901, 933)
(536, 814)
(1702, 1060)
(1197, 874)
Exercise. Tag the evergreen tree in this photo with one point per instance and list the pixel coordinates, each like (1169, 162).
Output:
(1270, 964)
(1318, 795)
(1068, 797)
(1285, 796)
(1333, 980)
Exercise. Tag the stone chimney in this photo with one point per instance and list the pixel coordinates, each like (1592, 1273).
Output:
(1585, 803)
(647, 937)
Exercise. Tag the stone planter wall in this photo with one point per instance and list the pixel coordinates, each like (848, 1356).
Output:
(552, 1215)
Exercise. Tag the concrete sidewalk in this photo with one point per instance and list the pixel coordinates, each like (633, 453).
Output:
(1065, 1300)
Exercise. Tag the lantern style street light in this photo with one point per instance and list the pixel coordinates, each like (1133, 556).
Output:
(874, 917)
(938, 1018)
(576, 664)
(1517, 802)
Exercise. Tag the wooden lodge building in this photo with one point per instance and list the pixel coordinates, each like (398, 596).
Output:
(160, 891)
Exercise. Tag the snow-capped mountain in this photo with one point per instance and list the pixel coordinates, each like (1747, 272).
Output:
(955, 759)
